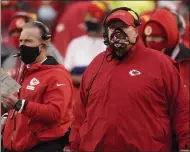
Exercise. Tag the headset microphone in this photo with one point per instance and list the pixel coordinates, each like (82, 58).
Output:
(17, 55)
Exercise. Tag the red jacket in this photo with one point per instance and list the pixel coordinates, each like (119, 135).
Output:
(48, 115)
(131, 105)
(70, 25)
(185, 71)
(183, 58)
(167, 20)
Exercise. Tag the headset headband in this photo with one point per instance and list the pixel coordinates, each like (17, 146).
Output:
(44, 29)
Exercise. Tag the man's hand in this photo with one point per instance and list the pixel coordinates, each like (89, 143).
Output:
(184, 150)
(9, 101)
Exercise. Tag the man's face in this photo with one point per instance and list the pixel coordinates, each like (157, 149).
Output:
(30, 36)
(93, 25)
(121, 37)
(156, 42)
(14, 39)
(130, 31)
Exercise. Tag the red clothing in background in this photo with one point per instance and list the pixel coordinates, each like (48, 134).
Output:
(70, 25)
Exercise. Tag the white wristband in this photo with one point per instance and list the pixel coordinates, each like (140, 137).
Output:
(23, 102)
(5, 115)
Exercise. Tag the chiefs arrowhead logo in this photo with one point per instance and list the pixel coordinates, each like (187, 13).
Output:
(20, 23)
(148, 31)
(134, 72)
(34, 81)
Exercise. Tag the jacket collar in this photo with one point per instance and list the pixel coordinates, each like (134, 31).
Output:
(49, 61)
(184, 53)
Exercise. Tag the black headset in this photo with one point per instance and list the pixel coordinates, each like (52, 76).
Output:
(44, 29)
(137, 22)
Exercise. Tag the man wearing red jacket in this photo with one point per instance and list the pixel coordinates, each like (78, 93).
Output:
(164, 32)
(131, 96)
(40, 116)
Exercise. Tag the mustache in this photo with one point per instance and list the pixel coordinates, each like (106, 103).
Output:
(119, 39)
(117, 43)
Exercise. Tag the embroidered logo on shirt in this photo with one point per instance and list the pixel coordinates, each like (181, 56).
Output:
(134, 72)
(34, 81)
(30, 87)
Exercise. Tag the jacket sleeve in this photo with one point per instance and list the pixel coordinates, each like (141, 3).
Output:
(57, 101)
(179, 99)
(78, 120)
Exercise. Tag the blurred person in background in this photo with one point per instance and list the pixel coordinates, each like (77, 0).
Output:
(8, 8)
(131, 96)
(164, 32)
(82, 50)
(40, 114)
(12, 64)
(48, 12)
(71, 24)
(145, 17)
(181, 7)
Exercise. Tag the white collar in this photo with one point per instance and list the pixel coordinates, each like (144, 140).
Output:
(44, 60)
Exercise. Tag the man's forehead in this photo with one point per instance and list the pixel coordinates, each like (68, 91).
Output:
(30, 32)
(117, 22)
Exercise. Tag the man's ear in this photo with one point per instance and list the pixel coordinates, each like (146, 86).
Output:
(46, 42)
(137, 32)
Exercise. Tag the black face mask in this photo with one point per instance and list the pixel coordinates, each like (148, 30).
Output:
(29, 54)
(92, 27)
(117, 44)
(118, 38)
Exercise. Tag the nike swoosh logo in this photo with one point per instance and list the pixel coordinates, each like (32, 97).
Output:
(60, 84)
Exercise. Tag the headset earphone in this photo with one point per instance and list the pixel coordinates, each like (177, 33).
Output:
(137, 22)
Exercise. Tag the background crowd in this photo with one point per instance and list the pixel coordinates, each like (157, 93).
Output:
(76, 29)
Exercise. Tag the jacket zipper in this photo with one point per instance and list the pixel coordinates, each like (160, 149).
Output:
(13, 115)
(12, 137)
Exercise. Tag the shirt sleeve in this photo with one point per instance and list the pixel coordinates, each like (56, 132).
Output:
(178, 97)
(57, 102)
